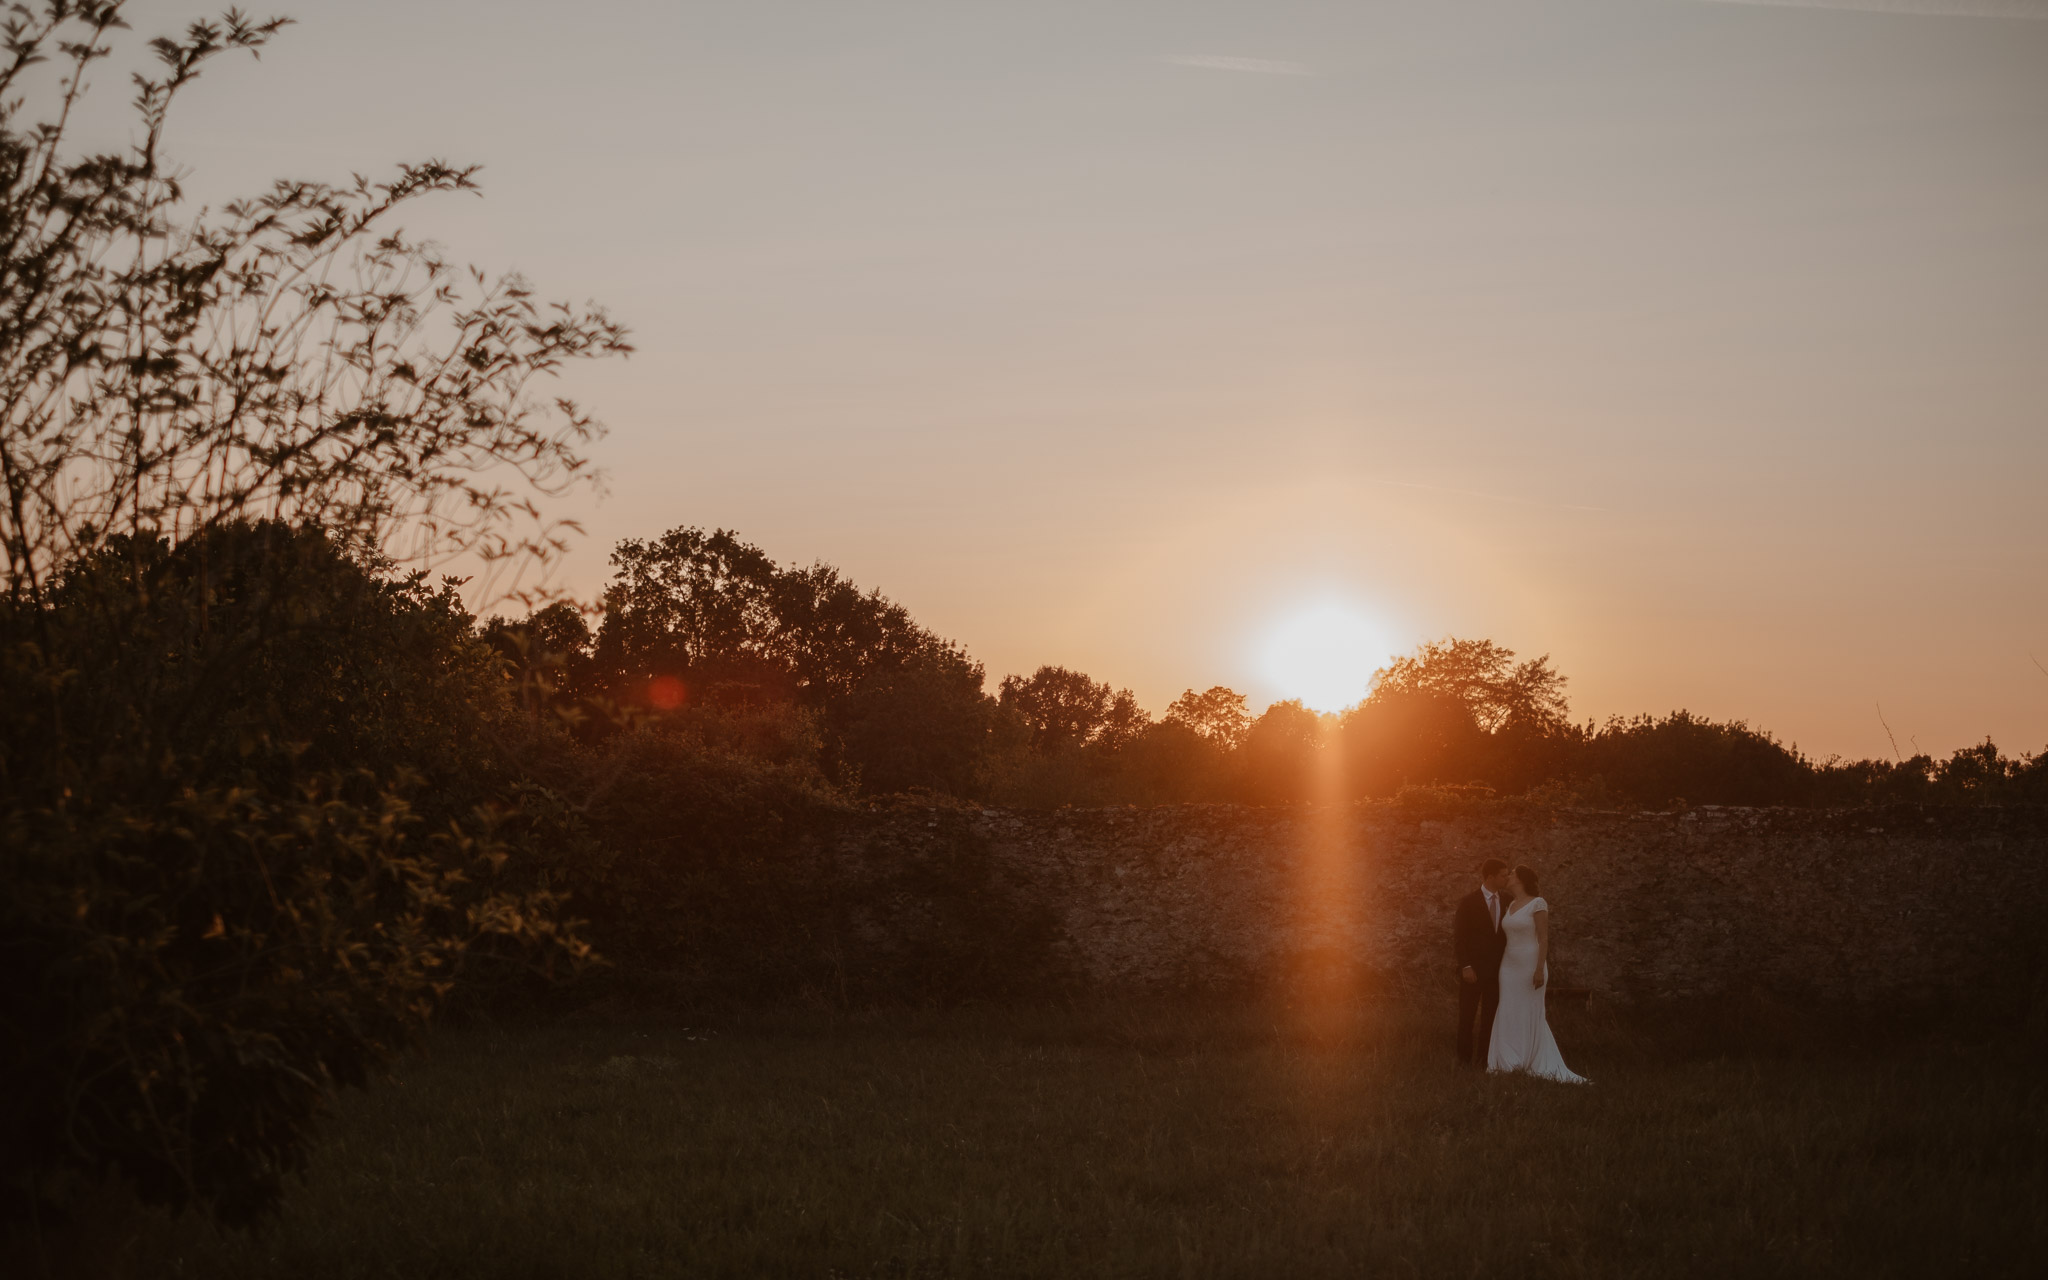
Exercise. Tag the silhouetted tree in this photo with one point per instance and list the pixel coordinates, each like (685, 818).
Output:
(1063, 710)
(1411, 737)
(728, 628)
(2029, 777)
(1170, 763)
(925, 727)
(691, 606)
(1485, 679)
(296, 358)
(1686, 757)
(1122, 724)
(1976, 775)
(1459, 711)
(548, 655)
(560, 628)
(1857, 782)
(1217, 715)
(721, 616)
(1276, 762)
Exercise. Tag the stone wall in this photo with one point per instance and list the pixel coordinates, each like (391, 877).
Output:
(1863, 904)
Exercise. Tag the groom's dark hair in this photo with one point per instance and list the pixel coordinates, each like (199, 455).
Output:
(1492, 867)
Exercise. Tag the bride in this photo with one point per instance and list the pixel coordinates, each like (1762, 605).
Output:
(1521, 1034)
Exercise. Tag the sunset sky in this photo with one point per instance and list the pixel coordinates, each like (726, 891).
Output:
(1702, 346)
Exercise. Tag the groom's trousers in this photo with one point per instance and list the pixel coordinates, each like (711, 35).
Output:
(1477, 1002)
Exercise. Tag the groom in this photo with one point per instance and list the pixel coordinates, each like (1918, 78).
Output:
(1478, 943)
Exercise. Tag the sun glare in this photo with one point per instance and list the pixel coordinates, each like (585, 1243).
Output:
(1325, 655)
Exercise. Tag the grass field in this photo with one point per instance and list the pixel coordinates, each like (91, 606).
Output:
(1154, 1141)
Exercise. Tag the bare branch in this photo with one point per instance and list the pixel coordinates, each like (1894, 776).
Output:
(297, 357)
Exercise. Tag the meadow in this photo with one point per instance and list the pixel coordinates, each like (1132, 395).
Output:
(1147, 1140)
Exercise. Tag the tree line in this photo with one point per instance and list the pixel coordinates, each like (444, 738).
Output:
(706, 632)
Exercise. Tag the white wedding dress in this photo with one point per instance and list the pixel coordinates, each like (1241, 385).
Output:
(1521, 1034)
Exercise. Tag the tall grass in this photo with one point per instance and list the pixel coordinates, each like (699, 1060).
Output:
(1147, 1141)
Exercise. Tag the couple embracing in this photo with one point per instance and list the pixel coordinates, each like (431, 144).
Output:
(1502, 940)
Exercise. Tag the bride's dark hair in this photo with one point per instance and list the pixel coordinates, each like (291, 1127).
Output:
(1527, 876)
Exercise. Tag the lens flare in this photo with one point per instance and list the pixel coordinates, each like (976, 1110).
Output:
(1325, 654)
(666, 693)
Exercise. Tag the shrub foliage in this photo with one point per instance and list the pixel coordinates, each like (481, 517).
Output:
(255, 801)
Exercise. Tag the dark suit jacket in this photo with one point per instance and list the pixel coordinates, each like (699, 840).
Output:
(1476, 940)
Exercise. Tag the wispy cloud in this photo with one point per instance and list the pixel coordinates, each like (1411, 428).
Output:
(1221, 62)
(2037, 9)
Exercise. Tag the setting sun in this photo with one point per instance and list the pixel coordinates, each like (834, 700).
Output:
(1325, 654)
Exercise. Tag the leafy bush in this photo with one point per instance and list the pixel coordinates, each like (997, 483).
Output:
(928, 727)
(1686, 757)
(689, 840)
(250, 826)
(1971, 776)
(246, 841)
(714, 861)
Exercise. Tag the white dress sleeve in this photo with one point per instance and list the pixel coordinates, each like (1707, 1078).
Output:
(1537, 904)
